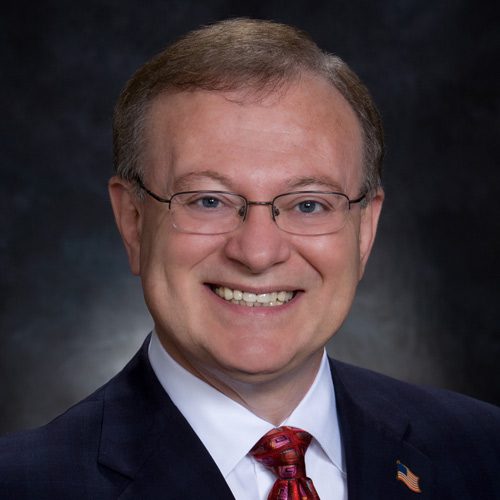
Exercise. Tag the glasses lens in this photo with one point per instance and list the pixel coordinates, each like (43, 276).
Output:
(206, 212)
(311, 212)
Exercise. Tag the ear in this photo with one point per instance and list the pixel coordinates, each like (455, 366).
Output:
(128, 216)
(368, 228)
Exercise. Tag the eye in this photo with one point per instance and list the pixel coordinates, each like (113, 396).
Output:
(310, 207)
(313, 206)
(308, 204)
(208, 202)
(202, 201)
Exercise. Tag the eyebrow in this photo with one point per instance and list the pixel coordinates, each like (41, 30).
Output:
(308, 181)
(186, 181)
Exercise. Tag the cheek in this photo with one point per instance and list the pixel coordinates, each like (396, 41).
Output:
(168, 257)
(334, 257)
(337, 264)
(169, 276)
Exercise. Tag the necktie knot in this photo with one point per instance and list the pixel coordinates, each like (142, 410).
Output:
(282, 450)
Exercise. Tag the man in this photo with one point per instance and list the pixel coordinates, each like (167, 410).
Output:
(247, 193)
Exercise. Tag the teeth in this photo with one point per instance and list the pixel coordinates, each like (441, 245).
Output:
(249, 297)
(267, 298)
(271, 299)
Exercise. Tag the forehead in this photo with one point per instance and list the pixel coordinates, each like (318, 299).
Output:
(307, 130)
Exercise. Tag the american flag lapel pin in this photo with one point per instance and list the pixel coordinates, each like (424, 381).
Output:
(406, 476)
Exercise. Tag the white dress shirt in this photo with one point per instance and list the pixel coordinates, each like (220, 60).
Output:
(229, 430)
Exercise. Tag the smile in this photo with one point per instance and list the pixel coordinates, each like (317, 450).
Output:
(270, 299)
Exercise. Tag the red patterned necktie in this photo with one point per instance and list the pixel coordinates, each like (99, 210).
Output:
(282, 450)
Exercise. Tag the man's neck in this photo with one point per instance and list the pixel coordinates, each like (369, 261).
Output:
(272, 398)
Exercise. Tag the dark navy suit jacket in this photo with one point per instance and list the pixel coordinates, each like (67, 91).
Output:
(129, 441)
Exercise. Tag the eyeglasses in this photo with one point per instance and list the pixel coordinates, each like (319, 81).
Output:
(220, 212)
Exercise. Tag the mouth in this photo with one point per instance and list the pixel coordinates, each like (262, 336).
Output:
(251, 299)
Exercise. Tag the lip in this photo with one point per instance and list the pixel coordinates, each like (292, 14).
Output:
(259, 311)
(253, 289)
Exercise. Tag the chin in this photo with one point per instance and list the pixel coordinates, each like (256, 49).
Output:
(255, 362)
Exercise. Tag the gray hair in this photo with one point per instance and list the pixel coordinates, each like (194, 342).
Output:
(255, 56)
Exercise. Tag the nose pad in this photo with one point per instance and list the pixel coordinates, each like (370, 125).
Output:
(242, 212)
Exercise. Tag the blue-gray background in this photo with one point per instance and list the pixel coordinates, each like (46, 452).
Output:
(70, 312)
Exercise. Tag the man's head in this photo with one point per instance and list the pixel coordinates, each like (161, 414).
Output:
(252, 56)
(254, 302)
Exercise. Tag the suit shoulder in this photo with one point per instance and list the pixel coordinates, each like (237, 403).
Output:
(419, 403)
(77, 427)
(62, 456)
(44, 462)
(73, 426)
(452, 437)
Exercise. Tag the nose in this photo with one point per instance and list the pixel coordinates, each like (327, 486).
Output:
(258, 244)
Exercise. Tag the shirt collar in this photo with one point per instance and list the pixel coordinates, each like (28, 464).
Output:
(227, 429)
(317, 414)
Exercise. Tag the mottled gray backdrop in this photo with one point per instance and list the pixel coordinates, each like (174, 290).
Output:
(71, 314)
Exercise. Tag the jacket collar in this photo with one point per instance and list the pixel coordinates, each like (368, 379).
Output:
(375, 431)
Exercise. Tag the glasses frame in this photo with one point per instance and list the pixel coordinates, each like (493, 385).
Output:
(247, 203)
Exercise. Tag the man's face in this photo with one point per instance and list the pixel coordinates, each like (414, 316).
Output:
(306, 139)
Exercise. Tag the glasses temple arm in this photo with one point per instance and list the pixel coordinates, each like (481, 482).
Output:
(139, 182)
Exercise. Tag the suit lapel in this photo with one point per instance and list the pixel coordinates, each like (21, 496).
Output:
(145, 438)
(373, 431)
